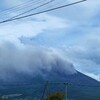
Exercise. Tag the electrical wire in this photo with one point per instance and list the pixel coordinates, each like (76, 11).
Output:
(33, 9)
(56, 4)
(21, 7)
(49, 83)
(63, 6)
(71, 84)
(14, 7)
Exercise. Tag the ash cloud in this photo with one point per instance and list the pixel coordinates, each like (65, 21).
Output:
(31, 60)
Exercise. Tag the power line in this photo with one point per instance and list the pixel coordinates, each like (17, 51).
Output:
(39, 6)
(33, 9)
(23, 8)
(83, 85)
(72, 84)
(49, 83)
(56, 4)
(14, 7)
(20, 7)
(63, 6)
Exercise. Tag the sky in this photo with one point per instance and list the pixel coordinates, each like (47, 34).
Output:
(71, 32)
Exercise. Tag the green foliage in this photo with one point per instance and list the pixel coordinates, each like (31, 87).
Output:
(56, 96)
(0, 98)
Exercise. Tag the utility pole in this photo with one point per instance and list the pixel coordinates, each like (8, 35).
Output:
(66, 92)
(44, 91)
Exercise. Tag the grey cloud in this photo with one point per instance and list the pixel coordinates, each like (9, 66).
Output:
(85, 57)
(30, 60)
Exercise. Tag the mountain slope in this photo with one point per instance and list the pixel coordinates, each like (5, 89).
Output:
(58, 71)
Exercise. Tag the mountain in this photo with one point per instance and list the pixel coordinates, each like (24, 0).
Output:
(59, 72)
(80, 87)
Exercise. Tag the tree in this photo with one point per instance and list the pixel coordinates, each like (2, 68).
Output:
(56, 96)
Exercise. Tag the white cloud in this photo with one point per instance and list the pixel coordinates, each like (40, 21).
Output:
(30, 28)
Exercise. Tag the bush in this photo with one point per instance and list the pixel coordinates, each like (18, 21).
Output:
(56, 96)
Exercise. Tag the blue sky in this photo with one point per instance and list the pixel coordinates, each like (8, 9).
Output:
(73, 32)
